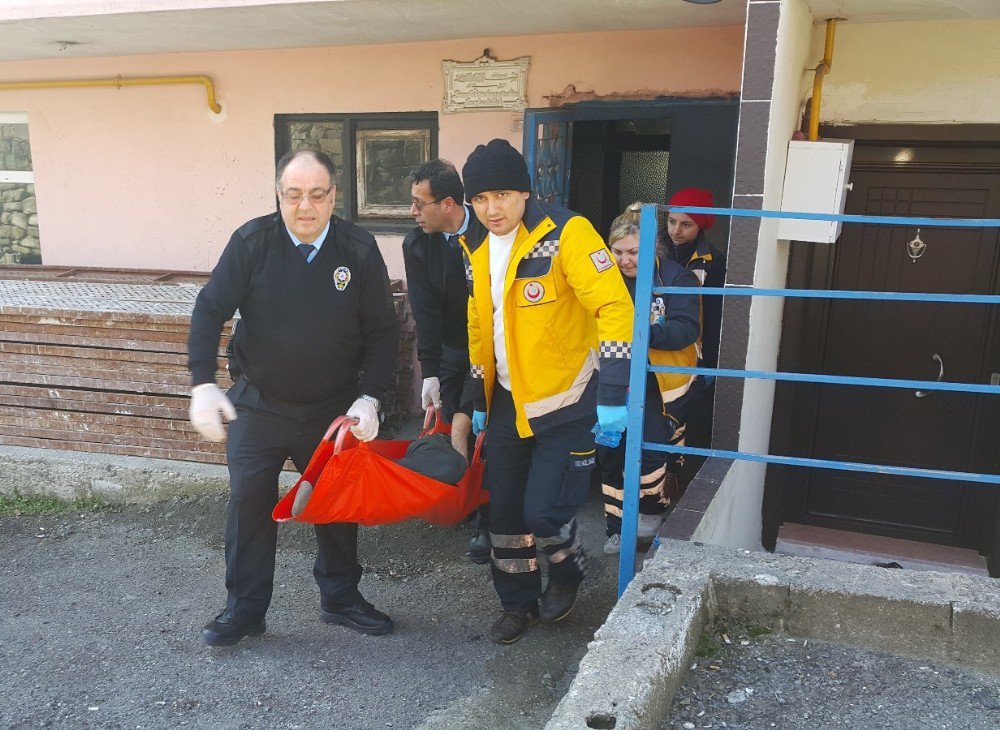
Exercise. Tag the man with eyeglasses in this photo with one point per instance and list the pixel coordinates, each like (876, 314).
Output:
(317, 337)
(439, 295)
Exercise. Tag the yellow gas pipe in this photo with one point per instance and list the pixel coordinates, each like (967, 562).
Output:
(821, 70)
(119, 82)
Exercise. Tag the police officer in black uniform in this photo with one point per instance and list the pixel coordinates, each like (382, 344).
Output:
(439, 295)
(315, 312)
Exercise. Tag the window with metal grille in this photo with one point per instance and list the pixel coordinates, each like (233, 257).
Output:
(374, 153)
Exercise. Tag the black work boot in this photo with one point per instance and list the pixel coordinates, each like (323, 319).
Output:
(557, 601)
(363, 617)
(479, 548)
(512, 623)
(228, 628)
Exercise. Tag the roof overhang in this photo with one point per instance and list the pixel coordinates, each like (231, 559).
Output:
(31, 29)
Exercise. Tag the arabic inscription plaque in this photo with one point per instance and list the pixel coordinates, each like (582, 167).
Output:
(485, 84)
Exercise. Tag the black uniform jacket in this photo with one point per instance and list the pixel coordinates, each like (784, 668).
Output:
(439, 295)
(307, 330)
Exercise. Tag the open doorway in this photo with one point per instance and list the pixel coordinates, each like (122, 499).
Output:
(615, 163)
(597, 157)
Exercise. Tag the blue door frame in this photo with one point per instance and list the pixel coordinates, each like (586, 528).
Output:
(548, 152)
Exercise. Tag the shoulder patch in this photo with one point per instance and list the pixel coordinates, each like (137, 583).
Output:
(601, 258)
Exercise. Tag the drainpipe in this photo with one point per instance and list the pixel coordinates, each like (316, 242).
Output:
(118, 82)
(821, 70)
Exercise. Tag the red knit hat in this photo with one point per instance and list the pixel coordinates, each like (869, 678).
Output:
(700, 198)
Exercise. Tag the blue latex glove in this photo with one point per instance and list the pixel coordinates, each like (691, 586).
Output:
(612, 419)
(478, 422)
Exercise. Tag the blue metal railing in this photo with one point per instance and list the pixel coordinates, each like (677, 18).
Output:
(644, 291)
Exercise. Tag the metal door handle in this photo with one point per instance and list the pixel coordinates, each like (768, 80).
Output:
(940, 362)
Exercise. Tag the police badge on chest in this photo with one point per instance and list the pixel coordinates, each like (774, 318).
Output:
(341, 277)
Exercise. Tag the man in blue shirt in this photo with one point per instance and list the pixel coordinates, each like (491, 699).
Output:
(318, 337)
(436, 284)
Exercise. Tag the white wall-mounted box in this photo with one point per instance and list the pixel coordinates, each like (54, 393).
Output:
(815, 182)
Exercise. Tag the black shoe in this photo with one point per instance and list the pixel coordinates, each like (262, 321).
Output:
(479, 549)
(557, 601)
(362, 617)
(512, 623)
(228, 628)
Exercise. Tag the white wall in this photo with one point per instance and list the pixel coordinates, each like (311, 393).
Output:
(926, 73)
(148, 177)
(735, 515)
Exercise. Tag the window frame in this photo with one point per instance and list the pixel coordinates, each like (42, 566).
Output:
(352, 123)
(16, 176)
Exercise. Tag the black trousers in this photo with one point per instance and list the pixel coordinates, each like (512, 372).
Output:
(453, 374)
(656, 469)
(536, 486)
(266, 433)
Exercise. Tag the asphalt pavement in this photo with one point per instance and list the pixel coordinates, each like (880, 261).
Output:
(100, 615)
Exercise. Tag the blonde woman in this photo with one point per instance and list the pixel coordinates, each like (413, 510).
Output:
(674, 332)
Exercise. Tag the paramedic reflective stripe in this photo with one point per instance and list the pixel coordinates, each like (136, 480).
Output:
(568, 397)
(566, 533)
(515, 565)
(652, 490)
(616, 349)
(544, 249)
(560, 555)
(566, 544)
(669, 396)
(512, 541)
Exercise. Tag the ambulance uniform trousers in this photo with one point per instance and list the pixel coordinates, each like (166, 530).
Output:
(536, 486)
(264, 434)
(657, 469)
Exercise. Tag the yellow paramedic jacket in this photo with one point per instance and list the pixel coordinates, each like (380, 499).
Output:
(567, 319)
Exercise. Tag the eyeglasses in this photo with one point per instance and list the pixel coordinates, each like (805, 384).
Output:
(421, 204)
(294, 197)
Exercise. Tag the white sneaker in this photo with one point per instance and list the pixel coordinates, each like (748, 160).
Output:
(649, 526)
(613, 546)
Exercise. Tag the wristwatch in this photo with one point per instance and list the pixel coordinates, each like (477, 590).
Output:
(374, 401)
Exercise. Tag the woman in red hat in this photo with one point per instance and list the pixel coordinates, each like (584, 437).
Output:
(686, 244)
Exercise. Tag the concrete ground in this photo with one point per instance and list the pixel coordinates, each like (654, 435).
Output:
(100, 617)
(904, 625)
(776, 681)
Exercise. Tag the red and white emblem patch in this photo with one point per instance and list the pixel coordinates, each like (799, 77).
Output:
(602, 259)
(533, 292)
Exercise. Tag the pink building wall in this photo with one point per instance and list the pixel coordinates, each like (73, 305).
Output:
(150, 178)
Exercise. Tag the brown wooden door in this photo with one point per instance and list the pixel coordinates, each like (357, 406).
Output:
(909, 340)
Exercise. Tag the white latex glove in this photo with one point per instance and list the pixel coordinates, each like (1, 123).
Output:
(430, 394)
(209, 406)
(367, 426)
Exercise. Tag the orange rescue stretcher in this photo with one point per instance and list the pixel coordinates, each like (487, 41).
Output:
(360, 482)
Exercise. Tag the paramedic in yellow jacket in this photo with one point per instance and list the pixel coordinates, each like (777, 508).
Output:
(550, 331)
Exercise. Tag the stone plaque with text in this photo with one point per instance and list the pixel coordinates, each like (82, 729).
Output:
(485, 84)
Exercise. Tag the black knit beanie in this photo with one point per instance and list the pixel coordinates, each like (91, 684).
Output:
(495, 166)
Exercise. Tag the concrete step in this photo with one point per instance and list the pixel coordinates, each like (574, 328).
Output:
(857, 547)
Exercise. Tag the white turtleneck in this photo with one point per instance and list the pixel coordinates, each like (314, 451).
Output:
(500, 248)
